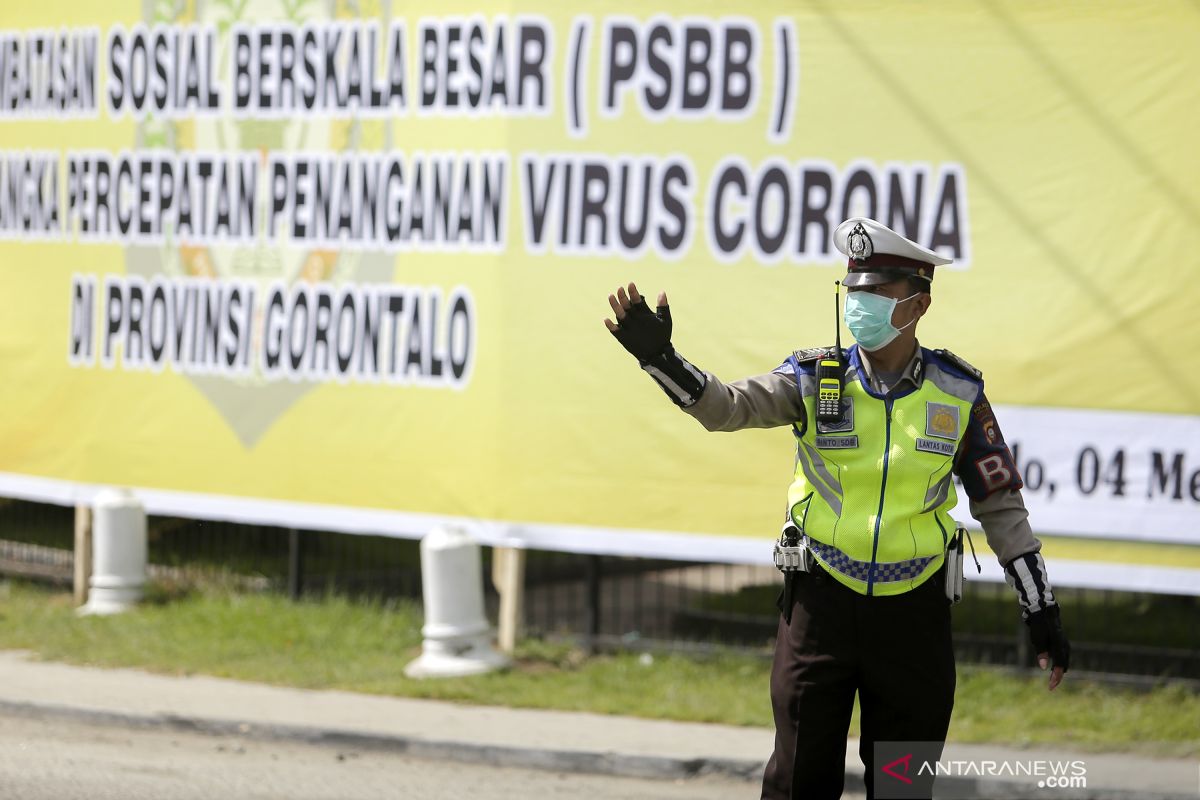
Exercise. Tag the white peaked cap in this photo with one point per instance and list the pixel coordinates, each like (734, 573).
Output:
(877, 254)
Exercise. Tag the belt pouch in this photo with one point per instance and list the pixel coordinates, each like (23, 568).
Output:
(954, 567)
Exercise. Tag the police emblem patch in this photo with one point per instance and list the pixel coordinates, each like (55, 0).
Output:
(941, 420)
(858, 243)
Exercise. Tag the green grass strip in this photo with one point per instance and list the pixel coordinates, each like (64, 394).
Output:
(335, 643)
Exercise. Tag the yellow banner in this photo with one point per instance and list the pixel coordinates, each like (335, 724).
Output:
(348, 269)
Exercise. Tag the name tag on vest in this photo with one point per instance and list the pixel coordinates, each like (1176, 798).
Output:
(836, 442)
(934, 446)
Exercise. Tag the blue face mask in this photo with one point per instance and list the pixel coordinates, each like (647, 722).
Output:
(869, 318)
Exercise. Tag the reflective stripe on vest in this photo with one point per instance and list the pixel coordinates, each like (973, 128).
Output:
(874, 493)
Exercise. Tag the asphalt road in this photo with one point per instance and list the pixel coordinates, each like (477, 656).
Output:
(44, 759)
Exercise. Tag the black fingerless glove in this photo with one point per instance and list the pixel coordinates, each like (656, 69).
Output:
(646, 335)
(1027, 574)
(1046, 633)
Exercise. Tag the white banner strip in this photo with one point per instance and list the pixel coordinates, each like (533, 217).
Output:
(561, 538)
(1106, 474)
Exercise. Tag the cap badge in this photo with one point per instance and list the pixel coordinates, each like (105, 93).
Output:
(858, 243)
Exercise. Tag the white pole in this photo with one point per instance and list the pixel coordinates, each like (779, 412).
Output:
(457, 636)
(119, 553)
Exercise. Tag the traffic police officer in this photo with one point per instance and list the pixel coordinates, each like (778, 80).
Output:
(868, 582)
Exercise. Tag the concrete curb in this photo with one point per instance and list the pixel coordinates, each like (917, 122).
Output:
(574, 761)
(597, 763)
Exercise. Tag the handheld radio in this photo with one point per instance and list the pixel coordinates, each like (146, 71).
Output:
(830, 371)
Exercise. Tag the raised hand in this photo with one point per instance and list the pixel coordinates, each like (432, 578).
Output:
(642, 332)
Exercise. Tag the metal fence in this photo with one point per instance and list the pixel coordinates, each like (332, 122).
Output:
(631, 602)
(607, 602)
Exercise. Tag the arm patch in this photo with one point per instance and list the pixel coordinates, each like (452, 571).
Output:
(984, 462)
(960, 363)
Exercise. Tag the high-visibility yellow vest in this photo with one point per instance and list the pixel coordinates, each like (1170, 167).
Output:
(873, 493)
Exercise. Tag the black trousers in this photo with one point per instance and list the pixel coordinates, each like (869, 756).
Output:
(895, 652)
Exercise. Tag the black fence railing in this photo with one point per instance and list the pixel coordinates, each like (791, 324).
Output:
(605, 601)
(1147, 635)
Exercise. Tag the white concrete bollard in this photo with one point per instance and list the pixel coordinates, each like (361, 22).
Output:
(458, 640)
(118, 553)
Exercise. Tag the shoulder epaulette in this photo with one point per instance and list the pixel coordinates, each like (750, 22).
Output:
(814, 353)
(960, 363)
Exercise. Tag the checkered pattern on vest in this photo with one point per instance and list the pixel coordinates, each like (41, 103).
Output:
(885, 572)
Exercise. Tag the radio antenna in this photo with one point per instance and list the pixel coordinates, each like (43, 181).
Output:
(837, 315)
(831, 371)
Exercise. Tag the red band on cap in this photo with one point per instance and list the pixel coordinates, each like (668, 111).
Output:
(887, 261)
